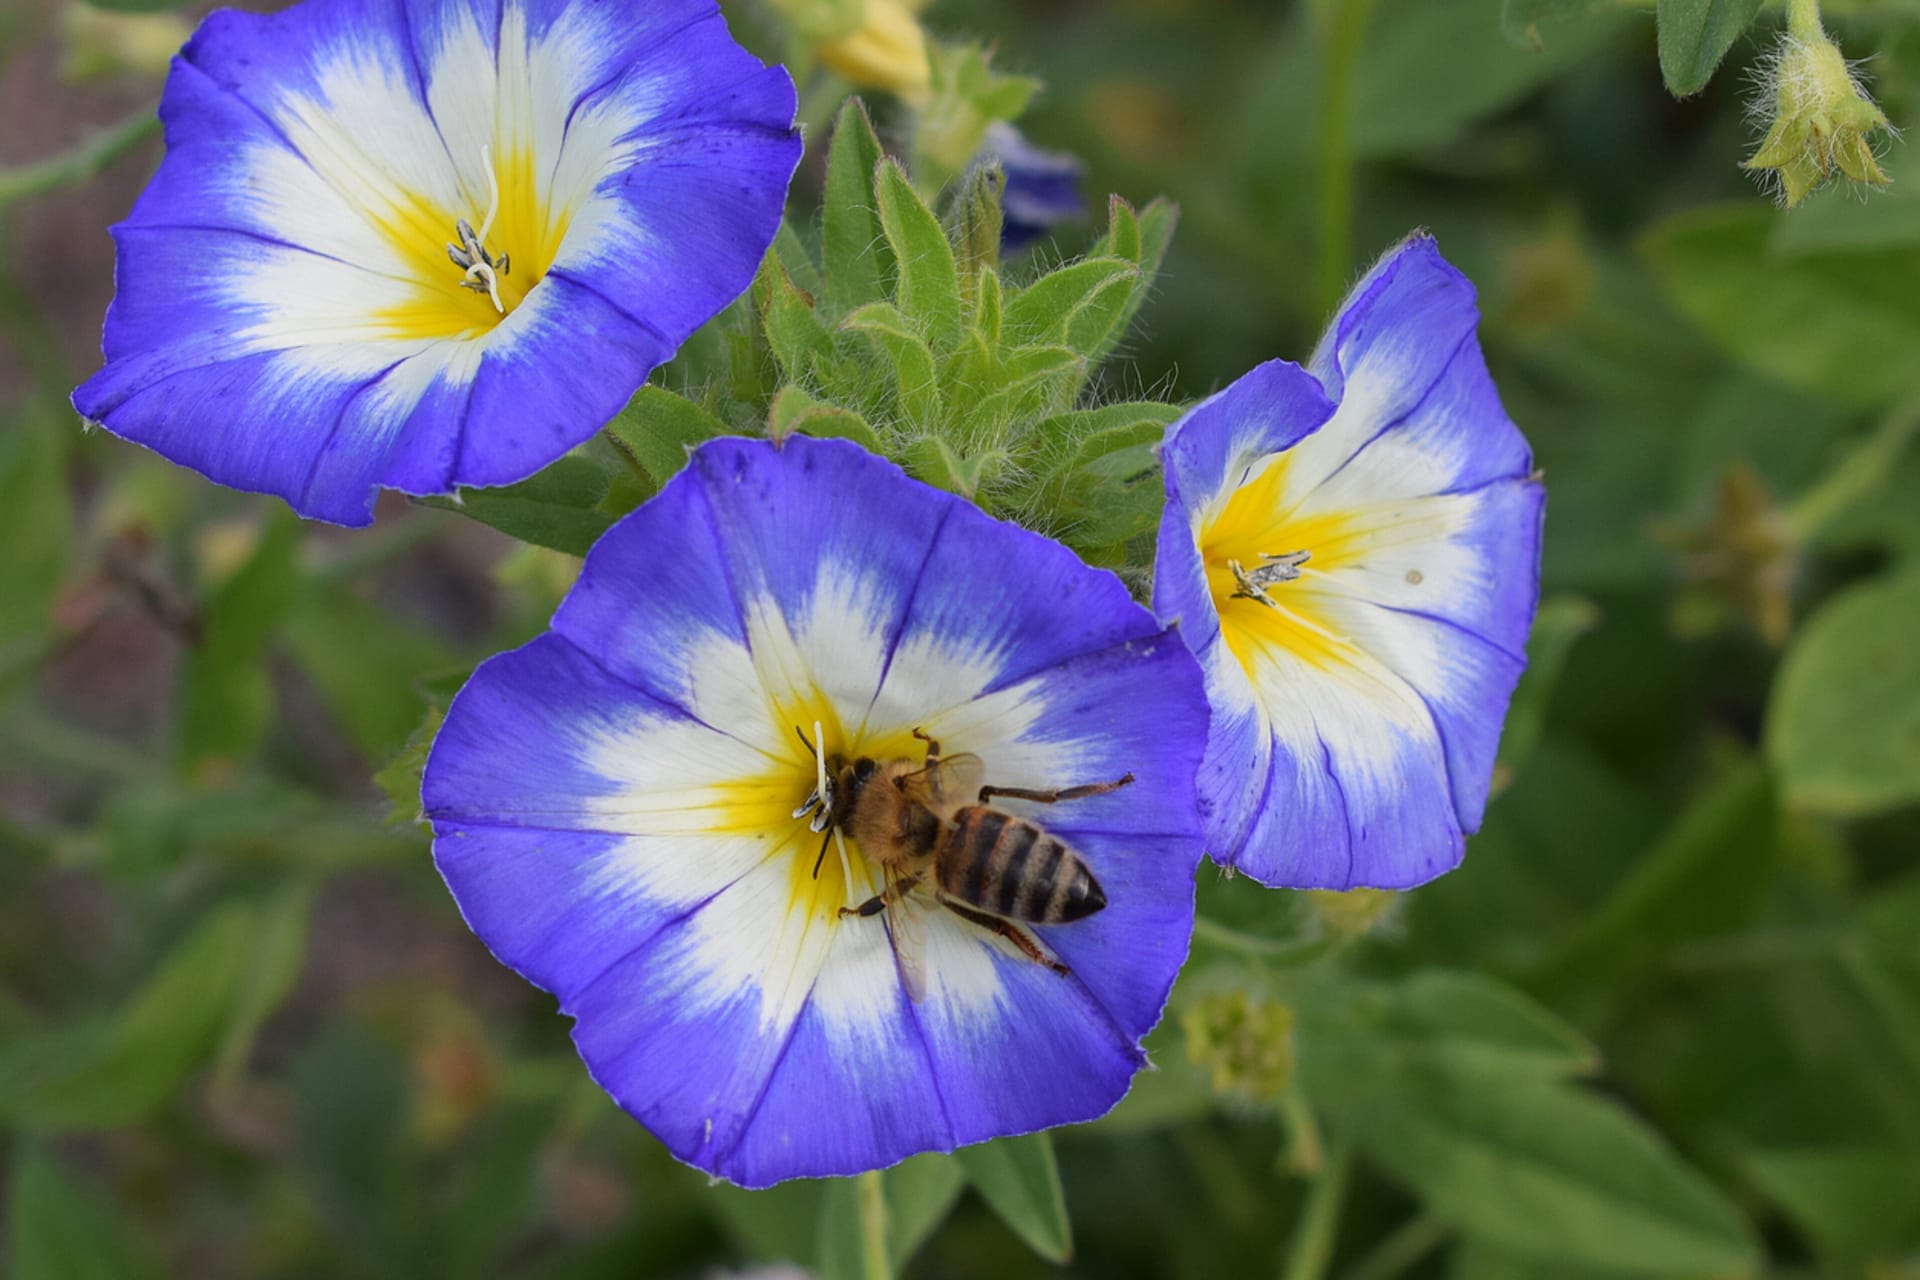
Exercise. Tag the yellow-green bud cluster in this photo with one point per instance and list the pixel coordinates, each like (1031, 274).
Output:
(1821, 119)
(1244, 1042)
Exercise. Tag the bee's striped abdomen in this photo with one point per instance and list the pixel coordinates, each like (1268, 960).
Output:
(1013, 868)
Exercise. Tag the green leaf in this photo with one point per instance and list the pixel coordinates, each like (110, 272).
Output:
(1020, 1182)
(364, 661)
(1852, 1202)
(1695, 35)
(1364, 1040)
(794, 331)
(913, 365)
(277, 955)
(118, 1071)
(1034, 381)
(658, 428)
(1546, 1169)
(1077, 305)
(227, 699)
(856, 261)
(794, 410)
(36, 525)
(932, 460)
(1843, 325)
(921, 1192)
(837, 1237)
(1839, 220)
(1558, 625)
(1520, 19)
(1708, 874)
(60, 1228)
(399, 778)
(555, 508)
(928, 290)
(1843, 723)
(1436, 68)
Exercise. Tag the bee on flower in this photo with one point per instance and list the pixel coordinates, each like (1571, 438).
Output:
(846, 821)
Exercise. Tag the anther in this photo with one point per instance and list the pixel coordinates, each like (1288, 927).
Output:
(1276, 569)
(483, 271)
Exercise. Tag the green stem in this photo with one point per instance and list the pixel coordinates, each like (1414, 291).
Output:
(1282, 953)
(80, 162)
(1346, 31)
(1862, 473)
(1320, 1217)
(873, 1228)
(1414, 1240)
(1803, 19)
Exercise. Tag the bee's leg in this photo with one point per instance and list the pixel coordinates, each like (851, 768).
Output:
(1052, 797)
(1007, 929)
(881, 901)
(933, 745)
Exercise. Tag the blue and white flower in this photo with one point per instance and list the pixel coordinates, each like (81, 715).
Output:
(1354, 558)
(620, 808)
(427, 243)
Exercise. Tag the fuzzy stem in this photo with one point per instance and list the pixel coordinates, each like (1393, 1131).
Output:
(1346, 30)
(80, 162)
(1803, 20)
(1320, 1217)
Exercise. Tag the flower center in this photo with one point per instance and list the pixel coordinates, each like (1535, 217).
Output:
(829, 868)
(1256, 549)
(494, 266)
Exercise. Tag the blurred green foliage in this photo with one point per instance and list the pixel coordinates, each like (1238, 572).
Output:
(1664, 1022)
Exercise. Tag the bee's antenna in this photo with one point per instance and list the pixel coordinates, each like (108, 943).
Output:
(802, 735)
(824, 838)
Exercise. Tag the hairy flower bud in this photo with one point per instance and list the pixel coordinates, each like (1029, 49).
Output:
(1820, 118)
(887, 50)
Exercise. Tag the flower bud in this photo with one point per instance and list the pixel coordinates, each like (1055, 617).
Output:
(1348, 913)
(1244, 1042)
(1821, 118)
(1741, 560)
(100, 44)
(886, 50)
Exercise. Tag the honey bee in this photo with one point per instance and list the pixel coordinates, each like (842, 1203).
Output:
(927, 822)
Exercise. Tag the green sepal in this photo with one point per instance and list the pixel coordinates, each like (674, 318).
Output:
(799, 341)
(855, 259)
(1078, 305)
(794, 410)
(657, 429)
(915, 377)
(928, 289)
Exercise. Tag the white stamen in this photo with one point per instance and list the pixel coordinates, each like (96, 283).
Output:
(820, 765)
(493, 192)
(482, 272)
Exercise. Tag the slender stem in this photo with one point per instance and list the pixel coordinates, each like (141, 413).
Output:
(1412, 1241)
(1306, 1153)
(873, 1228)
(81, 162)
(1320, 1217)
(1282, 953)
(1862, 473)
(1345, 33)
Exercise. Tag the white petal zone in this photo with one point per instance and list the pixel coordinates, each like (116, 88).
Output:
(928, 674)
(749, 936)
(1364, 716)
(1410, 555)
(676, 777)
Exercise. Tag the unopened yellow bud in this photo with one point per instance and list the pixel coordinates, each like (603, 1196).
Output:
(1822, 118)
(100, 44)
(887, 50)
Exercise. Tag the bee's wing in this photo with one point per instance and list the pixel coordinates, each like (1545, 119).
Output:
(907, 931)
(947, 783)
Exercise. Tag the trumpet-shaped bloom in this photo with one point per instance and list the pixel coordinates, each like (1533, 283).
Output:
(620, 808)
(428, 243)
(1354, 558)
